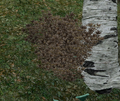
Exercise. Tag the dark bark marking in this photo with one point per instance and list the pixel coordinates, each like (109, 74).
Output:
(88, 64)
(104, 91)
(114, 1)
(102, 75)
(105, 83)
(99, 42)
(115, 46)
(110, 9)
(93, 72)
(93, 0)
(109, 36)
(113, 28)
(116, 41)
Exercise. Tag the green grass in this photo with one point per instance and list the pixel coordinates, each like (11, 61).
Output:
(20, 78)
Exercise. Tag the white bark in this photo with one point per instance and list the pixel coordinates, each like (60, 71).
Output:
(104, 56)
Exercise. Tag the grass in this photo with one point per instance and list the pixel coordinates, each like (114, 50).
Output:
(20, 78)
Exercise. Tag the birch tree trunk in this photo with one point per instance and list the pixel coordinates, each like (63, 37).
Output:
(102, 71)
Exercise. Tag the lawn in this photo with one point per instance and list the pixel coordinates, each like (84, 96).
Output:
(20, 77)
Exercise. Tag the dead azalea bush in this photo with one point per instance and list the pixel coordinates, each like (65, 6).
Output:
(61, 44)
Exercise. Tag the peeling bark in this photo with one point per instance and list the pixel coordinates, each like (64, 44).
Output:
(101, 67)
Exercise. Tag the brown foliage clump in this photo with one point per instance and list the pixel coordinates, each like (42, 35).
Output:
(61, 44)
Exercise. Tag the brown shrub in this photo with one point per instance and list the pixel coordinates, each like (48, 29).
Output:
(61, 44)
